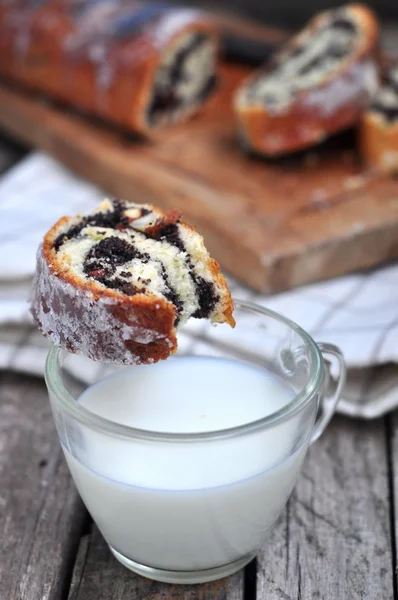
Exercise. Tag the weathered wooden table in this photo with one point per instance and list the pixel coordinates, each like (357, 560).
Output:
(336, 540)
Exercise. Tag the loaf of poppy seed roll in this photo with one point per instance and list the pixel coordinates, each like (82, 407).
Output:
(141, 66)
(317, 85)
(115, 284)
(379, 126)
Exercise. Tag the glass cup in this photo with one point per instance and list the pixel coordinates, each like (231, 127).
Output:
(194, 507)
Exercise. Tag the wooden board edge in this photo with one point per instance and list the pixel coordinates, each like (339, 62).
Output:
(41, 125)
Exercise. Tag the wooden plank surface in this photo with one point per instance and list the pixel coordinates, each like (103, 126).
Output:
(41, 516)
(392, 446)
(43, 525)
(98, 576)
(334, 539)
(273, 224)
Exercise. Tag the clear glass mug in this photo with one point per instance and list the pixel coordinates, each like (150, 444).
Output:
(212, 521)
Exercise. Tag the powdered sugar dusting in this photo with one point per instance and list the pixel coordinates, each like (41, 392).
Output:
(76, 321)
(172, 23)
(359, 83)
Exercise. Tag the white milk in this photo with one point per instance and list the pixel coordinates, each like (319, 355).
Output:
(187, 506)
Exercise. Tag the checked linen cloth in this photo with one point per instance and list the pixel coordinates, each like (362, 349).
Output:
(358, 312)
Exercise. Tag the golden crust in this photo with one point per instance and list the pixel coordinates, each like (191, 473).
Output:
(66, 297)
(378, 142)
(228, 305)
(334, 105)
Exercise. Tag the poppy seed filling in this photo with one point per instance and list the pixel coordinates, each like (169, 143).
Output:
(127, 248)
(185, 78)
(305, 63)
(386, 101)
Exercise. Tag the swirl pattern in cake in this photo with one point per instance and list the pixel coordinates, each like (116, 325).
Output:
(115, 284)
(140, 65)
(317, 85)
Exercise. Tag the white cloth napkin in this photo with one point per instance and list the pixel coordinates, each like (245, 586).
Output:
(358, 312)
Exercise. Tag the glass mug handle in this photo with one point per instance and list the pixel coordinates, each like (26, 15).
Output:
(328, 403)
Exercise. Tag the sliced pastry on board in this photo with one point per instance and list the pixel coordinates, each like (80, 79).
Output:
(379, 126)
(139, 65)
(145, 65)
(115, 284)
(318, 84)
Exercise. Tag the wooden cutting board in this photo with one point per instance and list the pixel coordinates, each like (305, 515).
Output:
(274, 225)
